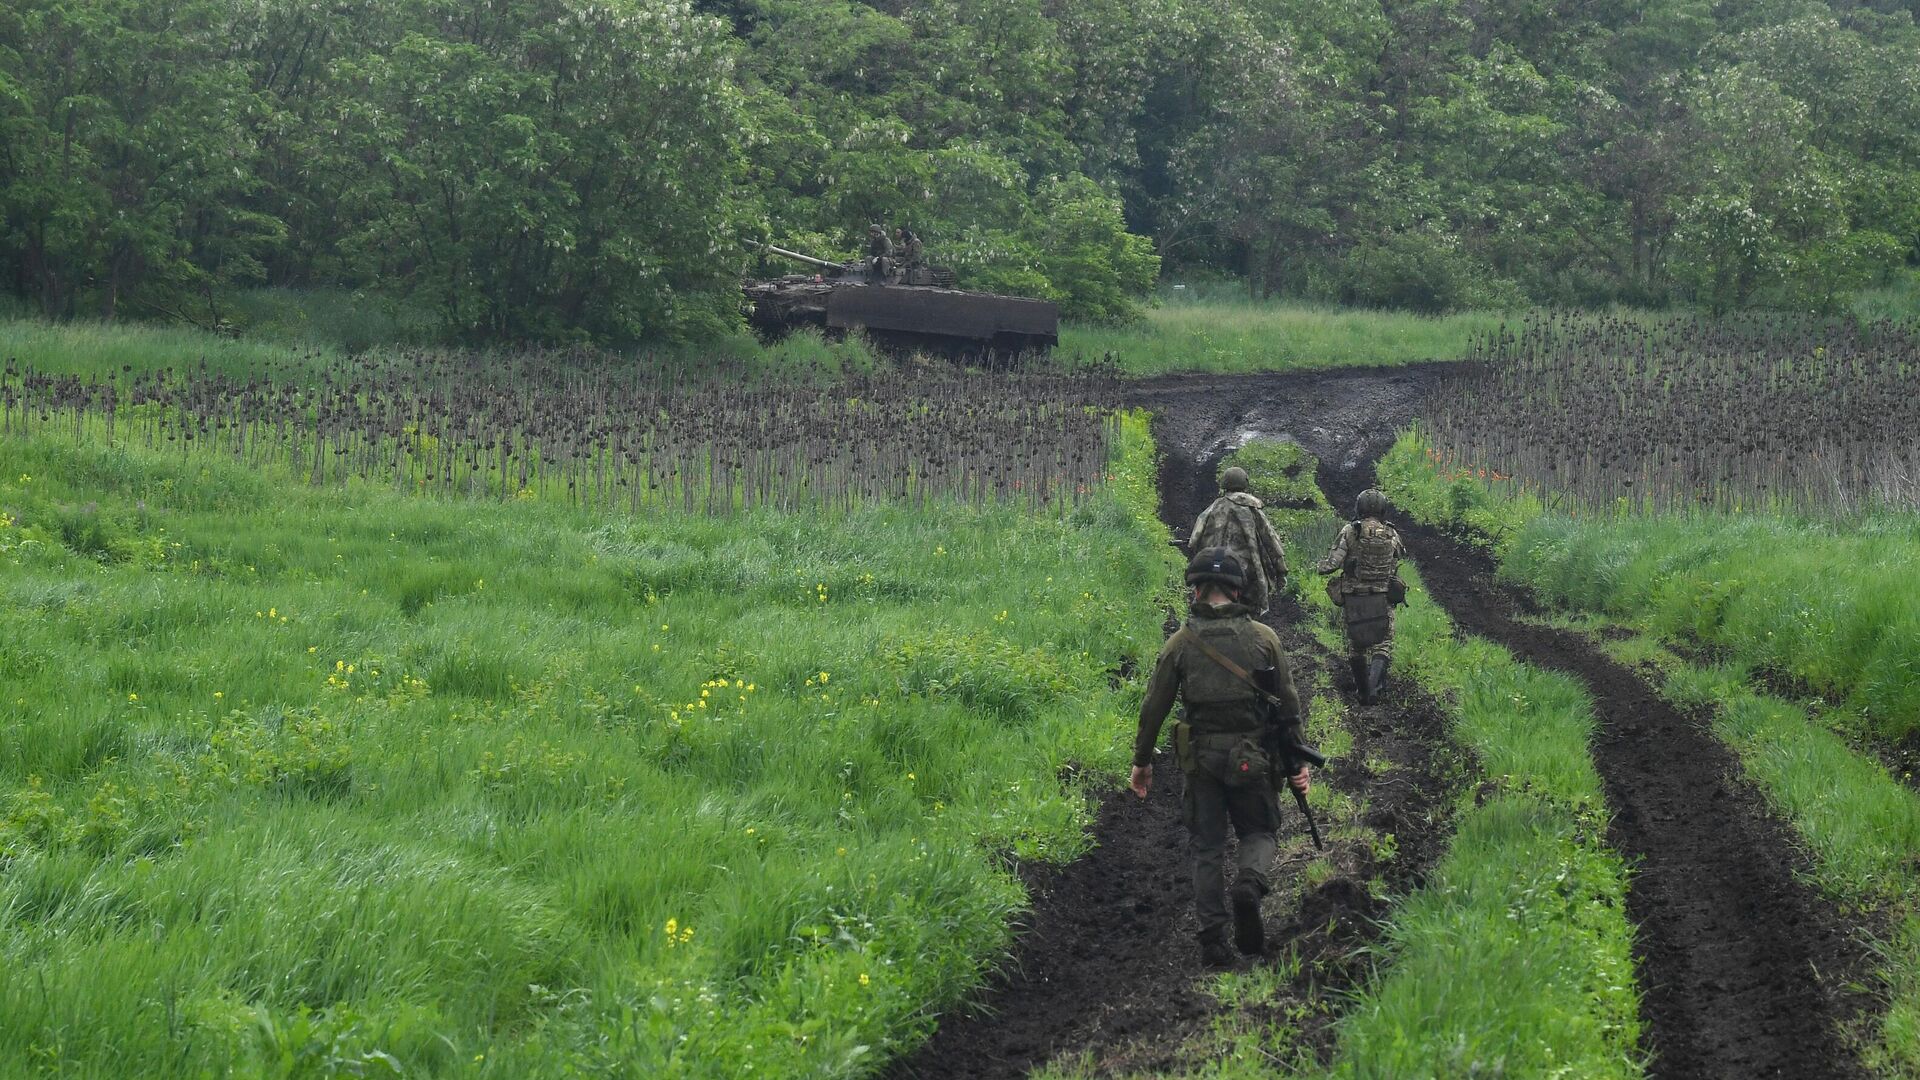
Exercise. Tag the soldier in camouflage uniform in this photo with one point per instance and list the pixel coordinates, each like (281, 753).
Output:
(1367, 558)
(879, 253)
(1222, 713)
(912, 253)
(1236, 522)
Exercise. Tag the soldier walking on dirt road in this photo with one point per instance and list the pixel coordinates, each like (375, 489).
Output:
(1225, 668)
(1237, 522)
(1367, 558)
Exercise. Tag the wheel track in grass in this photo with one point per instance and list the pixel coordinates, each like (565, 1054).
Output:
(1105, 964)
(1744, 967)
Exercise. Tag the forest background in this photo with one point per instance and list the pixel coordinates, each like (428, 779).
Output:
(567, 170)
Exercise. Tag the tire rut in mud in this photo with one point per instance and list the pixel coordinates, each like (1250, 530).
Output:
(1104, 963)
(1745, 968)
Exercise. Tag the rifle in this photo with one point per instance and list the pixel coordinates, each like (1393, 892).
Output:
(1287, 752)
(1281, 740)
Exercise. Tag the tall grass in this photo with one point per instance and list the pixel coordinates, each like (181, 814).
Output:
(108, 349)
(1228, 336)
(1515, 958)
(1897, 299)
(302, 338)
(335, 781)
(1833, 604)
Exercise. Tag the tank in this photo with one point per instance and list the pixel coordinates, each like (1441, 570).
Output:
(901, 309)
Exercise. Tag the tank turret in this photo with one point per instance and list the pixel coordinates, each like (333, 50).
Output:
(901, 309)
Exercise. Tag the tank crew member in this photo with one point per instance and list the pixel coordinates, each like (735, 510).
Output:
(1367, 558)
(1224, 715)
(1237, 522)
(879, 253)
(912, 254)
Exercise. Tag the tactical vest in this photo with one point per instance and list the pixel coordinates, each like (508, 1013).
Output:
(1372, 562)
(1217, 700)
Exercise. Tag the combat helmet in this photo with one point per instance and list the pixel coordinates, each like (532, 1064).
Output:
(1216, 566)
(1234, 479)
(1370, 504)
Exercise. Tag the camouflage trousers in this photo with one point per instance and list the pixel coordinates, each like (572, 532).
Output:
(1383, 648)
(1211, 806)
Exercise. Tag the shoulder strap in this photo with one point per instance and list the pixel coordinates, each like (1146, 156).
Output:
(1233, 669)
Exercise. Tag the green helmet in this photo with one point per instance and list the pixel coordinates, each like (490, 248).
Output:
(1370, 504)
(1216, 566)
(1234, 479)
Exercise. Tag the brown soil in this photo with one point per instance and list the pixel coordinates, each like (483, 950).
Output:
(1105, 965)
(1744, 967)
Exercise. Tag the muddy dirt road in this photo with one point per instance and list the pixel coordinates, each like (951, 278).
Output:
(1105, 965)
(1742, 965)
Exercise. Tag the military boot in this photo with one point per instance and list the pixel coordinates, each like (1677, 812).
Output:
(1214, 953)
(1376, 676)
(1249, 936)
(1362, 686)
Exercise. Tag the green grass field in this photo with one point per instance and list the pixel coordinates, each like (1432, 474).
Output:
(1236, 336)
(1833, 603)
(305, 782)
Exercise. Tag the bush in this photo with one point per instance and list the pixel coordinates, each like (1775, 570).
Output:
(1422, 271)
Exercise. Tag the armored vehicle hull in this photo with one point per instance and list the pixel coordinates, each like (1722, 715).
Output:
(912, 310)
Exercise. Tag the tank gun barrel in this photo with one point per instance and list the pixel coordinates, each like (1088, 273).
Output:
(822, 263)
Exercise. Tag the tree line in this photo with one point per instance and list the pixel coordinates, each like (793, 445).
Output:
(567, 169)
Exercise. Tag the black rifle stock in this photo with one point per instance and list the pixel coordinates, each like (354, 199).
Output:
(1286, 751)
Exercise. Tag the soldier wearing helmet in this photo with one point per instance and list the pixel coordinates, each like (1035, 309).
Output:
(1237, 522)
(879, 253)
(1367, 559)
(1222, 713)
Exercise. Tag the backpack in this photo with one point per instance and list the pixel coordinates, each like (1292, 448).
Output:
(1373, 564)
(1228, 529)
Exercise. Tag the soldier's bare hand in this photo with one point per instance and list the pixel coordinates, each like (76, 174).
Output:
(1142, 780)
(1301, 780)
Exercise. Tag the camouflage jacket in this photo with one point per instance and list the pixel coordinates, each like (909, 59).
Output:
(1215, 700)
(1236, 522)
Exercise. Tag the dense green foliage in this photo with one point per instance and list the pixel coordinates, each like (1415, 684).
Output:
(309, 781)
(557, 169)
